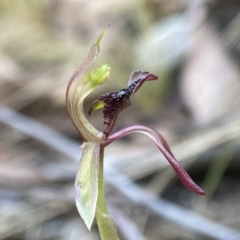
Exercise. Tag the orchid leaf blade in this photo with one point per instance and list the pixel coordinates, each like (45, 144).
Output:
(86, 183)
(106, 225)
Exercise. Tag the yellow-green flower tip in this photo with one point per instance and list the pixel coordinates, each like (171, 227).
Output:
(98, 76)
(99, 38)
(96, 105)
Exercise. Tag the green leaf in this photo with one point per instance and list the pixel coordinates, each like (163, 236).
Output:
(106, 225)
(86, 183)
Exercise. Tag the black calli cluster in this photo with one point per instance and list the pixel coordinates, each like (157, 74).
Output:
(115, 102)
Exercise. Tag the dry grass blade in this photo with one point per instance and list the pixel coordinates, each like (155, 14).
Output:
(55, 207)
(47, 211)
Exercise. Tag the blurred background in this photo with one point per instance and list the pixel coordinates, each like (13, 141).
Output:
(194, 48)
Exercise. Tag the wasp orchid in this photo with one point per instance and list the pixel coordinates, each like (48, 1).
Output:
(89, 183)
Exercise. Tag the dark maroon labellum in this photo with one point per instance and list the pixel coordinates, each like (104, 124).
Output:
(115, 102)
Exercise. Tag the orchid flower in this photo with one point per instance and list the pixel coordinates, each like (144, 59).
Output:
(89, 183)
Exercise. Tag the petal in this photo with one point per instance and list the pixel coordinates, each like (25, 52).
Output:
(84, 86)
(96, 105)
(137, 79)
(86, 183)
(164, 148)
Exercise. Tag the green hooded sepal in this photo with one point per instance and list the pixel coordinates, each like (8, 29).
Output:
(85, 86)
(79, 87)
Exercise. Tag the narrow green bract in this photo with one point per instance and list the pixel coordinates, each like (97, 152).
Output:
(86, 183)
